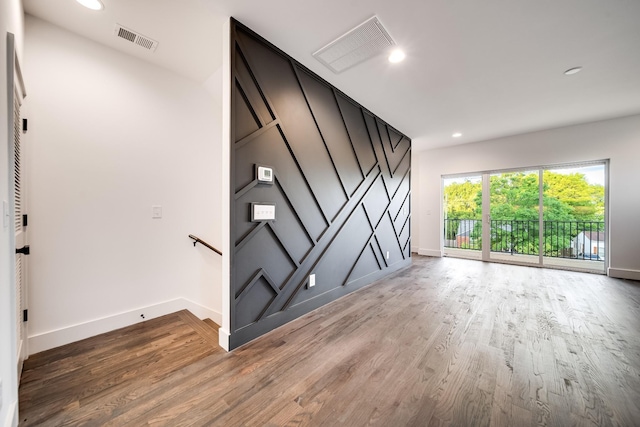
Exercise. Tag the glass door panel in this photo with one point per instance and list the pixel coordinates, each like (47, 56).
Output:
(514, 217)
(463, 216)
(573, 219)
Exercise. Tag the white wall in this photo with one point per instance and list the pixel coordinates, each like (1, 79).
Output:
(110, 136)
(616, 139)
(10, 21)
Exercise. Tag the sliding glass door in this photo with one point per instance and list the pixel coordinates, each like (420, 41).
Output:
(574, 217)
(548, 217)
(514, 205)
(463, 216)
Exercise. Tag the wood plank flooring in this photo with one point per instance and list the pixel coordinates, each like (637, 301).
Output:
(444, 342)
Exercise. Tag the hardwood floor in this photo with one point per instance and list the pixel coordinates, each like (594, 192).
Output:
(444, 342)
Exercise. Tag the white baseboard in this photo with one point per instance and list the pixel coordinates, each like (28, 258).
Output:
(203, 312)
(223, 338)
(12, 416)
(429, 252)
(623, 273)
(69, 334)
(414, 249)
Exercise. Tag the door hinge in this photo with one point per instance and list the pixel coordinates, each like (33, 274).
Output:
(23, 250)
(25, 220)
(25, 315)
(24, 125)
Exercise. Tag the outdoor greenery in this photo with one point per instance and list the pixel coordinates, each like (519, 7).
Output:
(571, 205)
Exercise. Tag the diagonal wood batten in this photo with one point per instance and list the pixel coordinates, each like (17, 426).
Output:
(447, 342)
(341, 190)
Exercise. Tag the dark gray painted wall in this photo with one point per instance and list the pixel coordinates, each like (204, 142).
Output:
(341, 190)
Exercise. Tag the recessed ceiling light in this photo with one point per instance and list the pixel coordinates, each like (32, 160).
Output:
(92, 4)
(573, 70)
(396, 56)
(457, 135)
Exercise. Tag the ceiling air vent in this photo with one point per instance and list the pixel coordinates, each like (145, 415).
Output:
(134, 37)
(357, 45)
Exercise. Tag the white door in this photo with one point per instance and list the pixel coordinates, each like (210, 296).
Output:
(19, 220)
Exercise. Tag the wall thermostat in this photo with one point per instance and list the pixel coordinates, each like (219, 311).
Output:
(265, 174)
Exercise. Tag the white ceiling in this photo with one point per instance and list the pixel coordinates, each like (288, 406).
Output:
(485, 68)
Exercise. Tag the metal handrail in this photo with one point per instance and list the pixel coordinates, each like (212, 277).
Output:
(202, 242)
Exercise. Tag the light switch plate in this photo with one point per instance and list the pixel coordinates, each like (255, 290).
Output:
(156, 212)
(261, 211)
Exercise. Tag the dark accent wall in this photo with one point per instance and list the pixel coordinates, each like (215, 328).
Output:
(341, 188)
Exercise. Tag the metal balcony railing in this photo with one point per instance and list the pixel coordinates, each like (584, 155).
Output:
(561, 239)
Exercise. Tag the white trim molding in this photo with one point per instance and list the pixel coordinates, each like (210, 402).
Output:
(227, 248)
(223, 338)
(430, 252)
(12, 415)
(73, 333)
(623, 273)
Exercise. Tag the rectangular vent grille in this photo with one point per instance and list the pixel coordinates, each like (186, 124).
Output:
(136, 38)
(357, 45)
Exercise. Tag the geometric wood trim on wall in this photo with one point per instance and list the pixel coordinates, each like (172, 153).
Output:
(340, 185)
